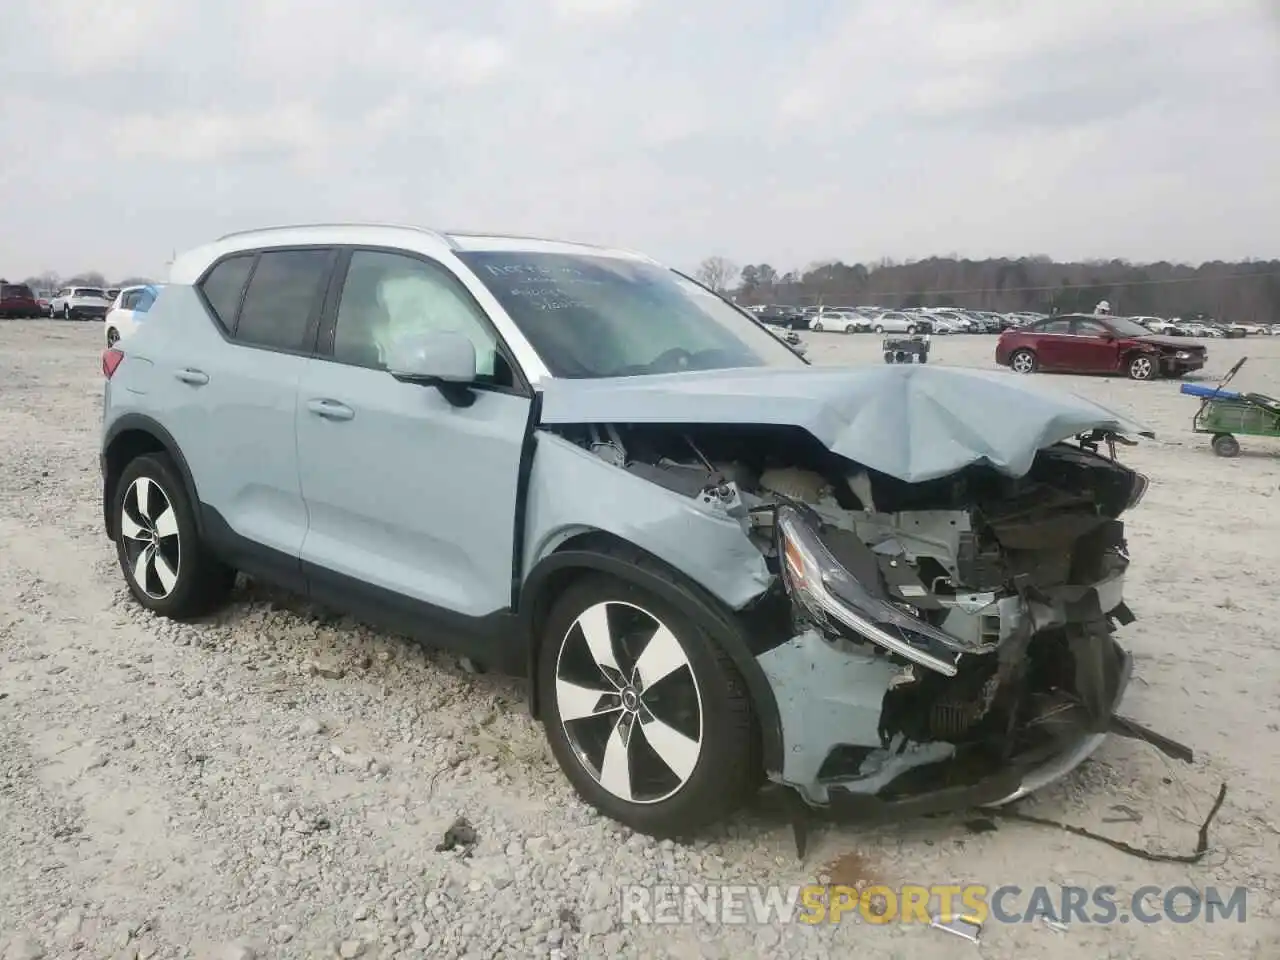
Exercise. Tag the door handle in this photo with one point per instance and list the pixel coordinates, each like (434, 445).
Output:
(330, 409)
(197, 378)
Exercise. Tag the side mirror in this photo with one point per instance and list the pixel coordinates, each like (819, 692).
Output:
(440, 359)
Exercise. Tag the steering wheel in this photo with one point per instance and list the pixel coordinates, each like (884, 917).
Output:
(674, 358)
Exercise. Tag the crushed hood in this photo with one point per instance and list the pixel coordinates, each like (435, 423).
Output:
(913, 422)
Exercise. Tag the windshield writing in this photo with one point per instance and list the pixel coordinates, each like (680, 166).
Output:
(596, 316)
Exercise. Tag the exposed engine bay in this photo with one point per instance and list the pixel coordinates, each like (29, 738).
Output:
(950, 634)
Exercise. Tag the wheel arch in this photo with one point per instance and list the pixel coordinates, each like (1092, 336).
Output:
(132, 436)
(600, 552)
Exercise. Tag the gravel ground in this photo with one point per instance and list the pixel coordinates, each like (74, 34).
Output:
(276, 783)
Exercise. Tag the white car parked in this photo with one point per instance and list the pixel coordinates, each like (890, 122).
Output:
(896, 322)
(843, 321)
(80, 303)
(128, 310)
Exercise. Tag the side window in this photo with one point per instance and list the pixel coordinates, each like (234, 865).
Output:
(223, 287)
(1053, 326)
(284, 293)
(128, 299)
(388, 295)
(1090, 328)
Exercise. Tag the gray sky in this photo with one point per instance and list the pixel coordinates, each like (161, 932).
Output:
(757, 129)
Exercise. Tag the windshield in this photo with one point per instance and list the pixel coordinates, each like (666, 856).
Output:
(16, 290)
(88, 292)
(1127, 328)
(594, 316)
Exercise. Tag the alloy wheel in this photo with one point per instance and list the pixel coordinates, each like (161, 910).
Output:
(1140, 368)
(628, 702)
(1023, 362)
(149, 532)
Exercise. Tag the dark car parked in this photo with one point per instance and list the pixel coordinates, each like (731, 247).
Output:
(18, 302)
(781, 315)
(1087, 343)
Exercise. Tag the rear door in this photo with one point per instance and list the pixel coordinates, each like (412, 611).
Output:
(1092, 348)
(411, 499)
(1050, 342)
(232, 397)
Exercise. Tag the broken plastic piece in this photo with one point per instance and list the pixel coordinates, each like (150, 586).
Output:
(967, 927)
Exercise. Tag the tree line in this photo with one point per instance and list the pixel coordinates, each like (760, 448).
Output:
(1245, 291)
(92, 278)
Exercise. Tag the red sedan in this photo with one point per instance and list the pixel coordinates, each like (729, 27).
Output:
(1087, 343)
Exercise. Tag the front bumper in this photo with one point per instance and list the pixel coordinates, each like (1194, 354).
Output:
(832, 701)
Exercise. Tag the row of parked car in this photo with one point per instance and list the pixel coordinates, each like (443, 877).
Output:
(944, 320)
(19, 302)
(120, 308)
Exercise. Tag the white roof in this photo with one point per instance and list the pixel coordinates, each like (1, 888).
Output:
(438, 244)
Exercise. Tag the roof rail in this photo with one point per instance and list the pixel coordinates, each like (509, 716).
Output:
(443, 238)
(572, 243)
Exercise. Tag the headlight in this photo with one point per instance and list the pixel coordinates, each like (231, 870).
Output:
(817, 581)
(1182, 355)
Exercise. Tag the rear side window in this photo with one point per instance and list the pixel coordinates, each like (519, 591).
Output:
(224, 285)
(1052, 326)
(284, 294)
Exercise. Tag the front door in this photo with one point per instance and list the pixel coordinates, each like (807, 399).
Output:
(411, 499)
(1091, 347)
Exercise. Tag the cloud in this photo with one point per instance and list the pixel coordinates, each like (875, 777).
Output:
(753, 129)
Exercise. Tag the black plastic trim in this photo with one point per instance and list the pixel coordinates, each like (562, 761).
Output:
(700, 609)
(524, 471)
(141, 422)
(493, 640)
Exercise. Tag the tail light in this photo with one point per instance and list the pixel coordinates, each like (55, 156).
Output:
(111, 358)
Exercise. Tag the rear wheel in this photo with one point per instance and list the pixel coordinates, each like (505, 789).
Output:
(879, 328)
(817, 325)
(1225, 445)
(66, 312)
(113, 336)
(1023, 361)
(167, 568)
(1142, 367)
(911, 328)
(647, 717)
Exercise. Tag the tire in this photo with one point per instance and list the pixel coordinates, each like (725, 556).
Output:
(708, 763)
(888, 356)
(66, 312)
(848, 329)
(1142, 367)
(879, 328)
(168, 570)
(1225, 445)
(817, 326)
(922, 358)
(911, 328)
(113, 336)
(1023, 361)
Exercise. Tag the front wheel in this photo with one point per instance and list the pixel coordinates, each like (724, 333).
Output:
(648, 718)
(1142, 367)
(817, 325)
(66, 312)
(911, 328)
(167, 568)
(1023, 361)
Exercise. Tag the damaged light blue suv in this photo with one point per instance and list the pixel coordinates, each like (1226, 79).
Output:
(891, 589)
